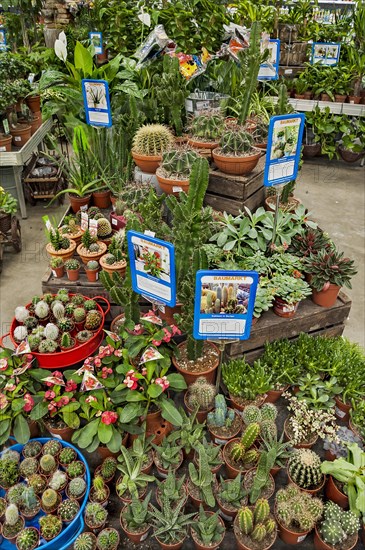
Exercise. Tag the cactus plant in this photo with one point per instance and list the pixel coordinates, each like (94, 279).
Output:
(50, 526)
(58, 309)
(15, 494)
(89, 305)
(75, 469)
(152, 140)
(94, 247)
(52, 447)
(33, 341)
(9, 471)
(30, 504)
(30, 323)
(47, 463)
(27, 539)
(255, 525)
(241, 451)
(72, 264)
(65, 324)
(20, 333)
(93, 320)
(298, 510)
(67, 455)
(104, 228)
(58, 480)
(92, 265)
(69, 309)
(14, 523)
(38, 483)
(207, 127)
(67, 341)
(177, 163)
(84, 335)
(85, 541)
(109, 259)
(48, 298)
(41, 309)
(108, 468)
(221, 416)
(95, 515)
(304, 468)
(47, 346)
(201, 394)
(236, 142)
(76, 487)
(251, 414)
(68, 509)
(28, 467)
(21, 313)
(100, 491)
(337, 524)
(50, 499)
(108, 539)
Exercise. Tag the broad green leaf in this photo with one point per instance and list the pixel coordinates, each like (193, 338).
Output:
(21, 429)
(83, 59)
(170, 412)
(105, 433)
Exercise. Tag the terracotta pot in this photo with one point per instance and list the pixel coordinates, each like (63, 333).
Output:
(168, 314)
(233, 472)
(329, 456)
(299, 96)
(308, 445)
(339, 98)
(64, 254)
(342, 410)
(35, 123)
(275, 470)
(104, 452)
(73, 274)
(270, 205)
(171, 186)
(308, 95)
(33, 428)
(5, 143)
(21, 134)
(199, 545)
(34, 103)
(201, 415)
(272, 396)
(355, 99)
(242, 546)
(73, 343)
(117, 222)
(226, 513)
(326, 298)
(219, 439)
(134, 537)
(311, 150)
(190, 377)
(283, 309)
(148, 164)
(197, 502)
(86, 256)
(104, 503)
(288, 536)
(76, 202)
(175, 546)
(312, 492)
(333, 493)
(260, 399)
(92, 527)
(101, 199)
(92, 275)
(325, 97)
(262, 146)
(76, 236)
(239, 166)
(319, 544)
(58, 272)
(209, 145)
(119, 267)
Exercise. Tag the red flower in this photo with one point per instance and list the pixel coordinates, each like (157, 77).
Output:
(175, 330)
(28, 402)
(105, 372)
(3, 364)
(130, 380)
(167, 336)
(29, 357)
(64, 401)
(156, 342)
(118, 352)
(97, 362)
(71, 386)
(49, 395)
(163, 382)
(52, 406)
(109, 417)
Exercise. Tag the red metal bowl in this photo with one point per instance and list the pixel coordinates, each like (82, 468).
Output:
(62, 359)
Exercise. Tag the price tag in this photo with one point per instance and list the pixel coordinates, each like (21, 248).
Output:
(96, 39)
(270, 69)
(3, 45)
(93, 228)
(84, 221)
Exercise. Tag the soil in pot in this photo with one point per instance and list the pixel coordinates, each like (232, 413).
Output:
(239, 403)
(59, 429)
(86, 256)
(267, 491)
(234, 467)
(290, 206)
(171, 186)
(138, 535)
(21, 134)
(221, 435)
(237, 165)
(5, 143)
(326, 298)
(205, 366)
(244, 542)
(199, 545)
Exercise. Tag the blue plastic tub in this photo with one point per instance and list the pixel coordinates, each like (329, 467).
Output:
(74, 528)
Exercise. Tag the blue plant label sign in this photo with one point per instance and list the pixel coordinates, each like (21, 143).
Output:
(224, 304)
(96, 39)
(325, 53)
(3, 45)
(152, 263)
(283, 149)
(270, 69)
(97, 102)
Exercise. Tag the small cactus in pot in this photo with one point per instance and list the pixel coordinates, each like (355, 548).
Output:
(28, 467)
(32, 449)
(338, 525)
(152, 140)
(38, 482)
(72, 267)
(222, 416)
(83, 336)
(51, 331)
(50, 526)
(50, 500)
(47, 346)
(68, 509)
(13, 523)
(201, 395)
(76, 488)
(65, 324)
(27, 539)
(58, 480)
(31, 504)
(52, 447)
(254, 527)
(42, 310)
(108, 468)
(108, 539)
(91, 270)
(95, 515)
(99, 491)
(58, 309)
(75, 469)
(79, 314)
(15, 494)
(93, 320)
(304, 468)
(30, 323)
(66, 341)
(67, 455)
(47, 464)
(85, 541)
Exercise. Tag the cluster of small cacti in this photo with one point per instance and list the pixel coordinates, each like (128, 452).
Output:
(236, 142)
(207, 126)
(65, 324)
(58, 241)
(47, 463)
(47, 346)
(58, 480)
(32, 449)
(265, 416)
(337, 524)
(28, 467)
(179, 162)
(50, 526)
(15, 494)
(93, 320)
(27, 539)
(9, 470)
(76, 487)
(104, 228)
(68, 509)
(108, 468)
(304, 467)
(66, 340)
(201, 394)
(78, 299)
(75, 469)
(67, 455)
(152, 140)
(56, 262)
(52, 447)
(108, 539)
(85, 541)
(222, 416)
(72, 264)
(95, 514)
(100, 491)
(48, 298)
(50, 499)
(242, 451)
(33, 341)
(295, 508)
(61, 295)
(41, 309)
(257, 523)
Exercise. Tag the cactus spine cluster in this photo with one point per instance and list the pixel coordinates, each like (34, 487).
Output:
(201, 394)
(152, 140)
(47, 346)
(241, 450)
(222, 416)
(27, 539)
(338, 524)
(76, 487)
(50, 526)
(104, 228)
(79, 314)
(68, 509)
(108, 468)
(236, 142)
(256, 523)
(265, 416)
(47, 463)
(28, 467)
(85, 541)
(304, 467)
(297, 509)
(93, 320)
(207, 126)
(178, 162)
(41, 309)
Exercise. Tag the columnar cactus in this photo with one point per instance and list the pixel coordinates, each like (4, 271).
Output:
(261, 511)
(241, 450)
(304, 467)
(201, 394)
(41, 309)
(245, 520)
(221, 416)
(295, 508)
(256, 524)
(108, 468)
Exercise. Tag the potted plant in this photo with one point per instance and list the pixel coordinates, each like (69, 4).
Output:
(208, 530)
(13, 524)
(50, 500)
(50, 527)
(90, 249)
(71, 230)
(135, 519)
(189, 434)
(329, 270)
(174, 172)
(170, 525)
(58, 481)
(107, 469)
(76, 488)
(149, 143)
(206, 130)
(280, 448)
(236, 154)
(223, 423)
(60, 246)
(255, 527)
(57, 266)
(132, 482)
(75, 469)
(8, 207)
(296, 514)
(166, 456)
(240, 454)
(27, 539)
(300, 87)
(85, 541)
(117, 218)
(304, 470)
(246, 384)
(213, 453)
(21, 133)
(173, 487)
(337, 529)
(338, 448)
(200, 395)
(67, 510)
(230, 496)
(201, 481)
(115, 260)
(289, 291)
(95, 516)
(357, 416)
(99, 491)
(92, 271)
(352, 145)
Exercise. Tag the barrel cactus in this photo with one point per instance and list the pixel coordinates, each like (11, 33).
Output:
(207, 126)
(337, 524)
(41, 309)
(304, 467)
(50, 499)
(58, 309)
(28, 467)
(89, 305)
(47, 463)
(152, 140)
(236, 142)
(47, 346)
(27, 539)
(85, 541)
(93, 320)
(76, 487)
(296, 509)
(178, 163)
(201, 394)
(104, 228)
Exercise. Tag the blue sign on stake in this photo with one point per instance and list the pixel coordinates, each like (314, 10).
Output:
(3, 45)
(325, 53)
(97, 102)
(224, 304)
(270, 69)
(283, 149)
(152, 264)
(96, 39)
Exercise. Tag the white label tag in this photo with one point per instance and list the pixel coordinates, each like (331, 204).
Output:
(54, 273)
(143, 537)
(177, 189)
(97, 276)
(114, 221)
(220, 441)
(149, 233)
(288, 71)
(17, 138)
(303, 537)
(57, 436)
(93, 228)
(3, 148)
(84, 221)
(339, 413)
(224, 516)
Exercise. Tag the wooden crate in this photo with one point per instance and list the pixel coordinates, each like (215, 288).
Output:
(231, 193)
(310, 318)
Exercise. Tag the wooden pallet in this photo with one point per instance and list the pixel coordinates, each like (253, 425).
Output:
(310, 318)
(231, 193)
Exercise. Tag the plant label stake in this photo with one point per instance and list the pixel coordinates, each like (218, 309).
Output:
(270, 69)
(278, 190)
(97, 102)
(96, 39)
(325, 53)
(3, 45)
(224, 306)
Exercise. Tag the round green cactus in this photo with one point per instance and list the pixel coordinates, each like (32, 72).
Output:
(251, 414)
(93, 320)
(304, 467)
(178, 162)
(47, 463)
(50, 498)
(152, 140)
(269, 412)
(236, 142)
(201, 394)
(76, 487)
(104, 227)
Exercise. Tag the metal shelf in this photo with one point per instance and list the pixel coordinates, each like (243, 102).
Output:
(336, 108)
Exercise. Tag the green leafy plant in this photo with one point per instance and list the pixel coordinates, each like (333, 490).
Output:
(330, 267)
(170, 524)
(132, 479)
(168, 454)
(208, 528)
(290, 289)
(172, 487)
(189, 433)
(246, 381)
(201, 478)
(318, 393)
(232, 492)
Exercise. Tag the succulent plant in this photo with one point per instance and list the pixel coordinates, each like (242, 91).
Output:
(67, 341)
(11, 514)
(51, 331)
(241, 450)
(65, 324)
(78, 299)
(9, 471)
(256, 523)
(67, 455)
(21, 313)
(72, 264)
(108, 468)
(69, 309)
(296, 509)
(48, 298)
(33, 341)
(93, 320)
(92, 211)
(38, 483)
(30, 323)
(52, 447)
(236, 142)
(56, 262)
(28, 467)
(30, 502)
(338, 524)
(92, 265)
(104, 228)
(76, 487)
(13, 522)
(41, 309)
(84, 335)
(201, 394)
(89, 305)
(232, 492)
(339, 447)
(68, 509)
(50, 526)
(109, 259)
(95, 514)
(50, 499)
(207, 126)
(58, 309)
(85, 541)
(27, 539)
(15, 494)
(38, 331)
(100, 491)
(2, 507)
(47, 346)
(48, 463)
(62, 295)
(75, 469)
(152, 140)
(108, 539)
(58, 480)
(20, 333)
(57, 240)
(94, 247)
(221, 416)
(178, 163)
(304, 467)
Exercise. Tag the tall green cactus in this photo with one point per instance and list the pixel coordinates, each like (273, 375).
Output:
(121, 293)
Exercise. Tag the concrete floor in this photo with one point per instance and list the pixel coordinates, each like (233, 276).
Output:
(333, 191)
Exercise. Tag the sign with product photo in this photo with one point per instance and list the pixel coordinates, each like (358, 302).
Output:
(152, 263)
(96, 39)
(3, 45)
(270, 69)
(97, 102)
(283, 149)
(224, 304)
(325, 53)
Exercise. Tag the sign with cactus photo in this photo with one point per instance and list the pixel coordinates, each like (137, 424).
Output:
(96, 102)
(326, 53)
(152, 264)
(3, 46)
(224, 304)
(270, 69)
(96, 39)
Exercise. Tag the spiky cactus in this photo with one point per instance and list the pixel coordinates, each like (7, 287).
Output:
(268, 430)
(93, 320)
(41, 309)
(297, 509)
(27, 539)
(65, 324)
(207, 126)
(257, 523)
(85, 541)
(108, 468)
(58, 480)
(201, 394)
(76, 487)
(338, 524)
(50, 498)
(67, 455)
(269, 412)
(89, 305)
(104, 228)
(50, 526)
(47, 463)
(58, 309)
(75, 469)
(178, 162)
(52, 447)
(79, 314)
(108, 539)
(30, 323)
(15, 494)
(20, 333)
(32, 449)
(28, 467)
(251, 414)
(47, 346)
(152, 140)
(221, 416)
(259, 532)
(68, 509)
(66, 340)
(304, 467)
(246, 520)
(236, 142)
(51, 331)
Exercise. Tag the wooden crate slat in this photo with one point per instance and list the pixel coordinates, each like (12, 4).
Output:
(236, 187)
(232, 206)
